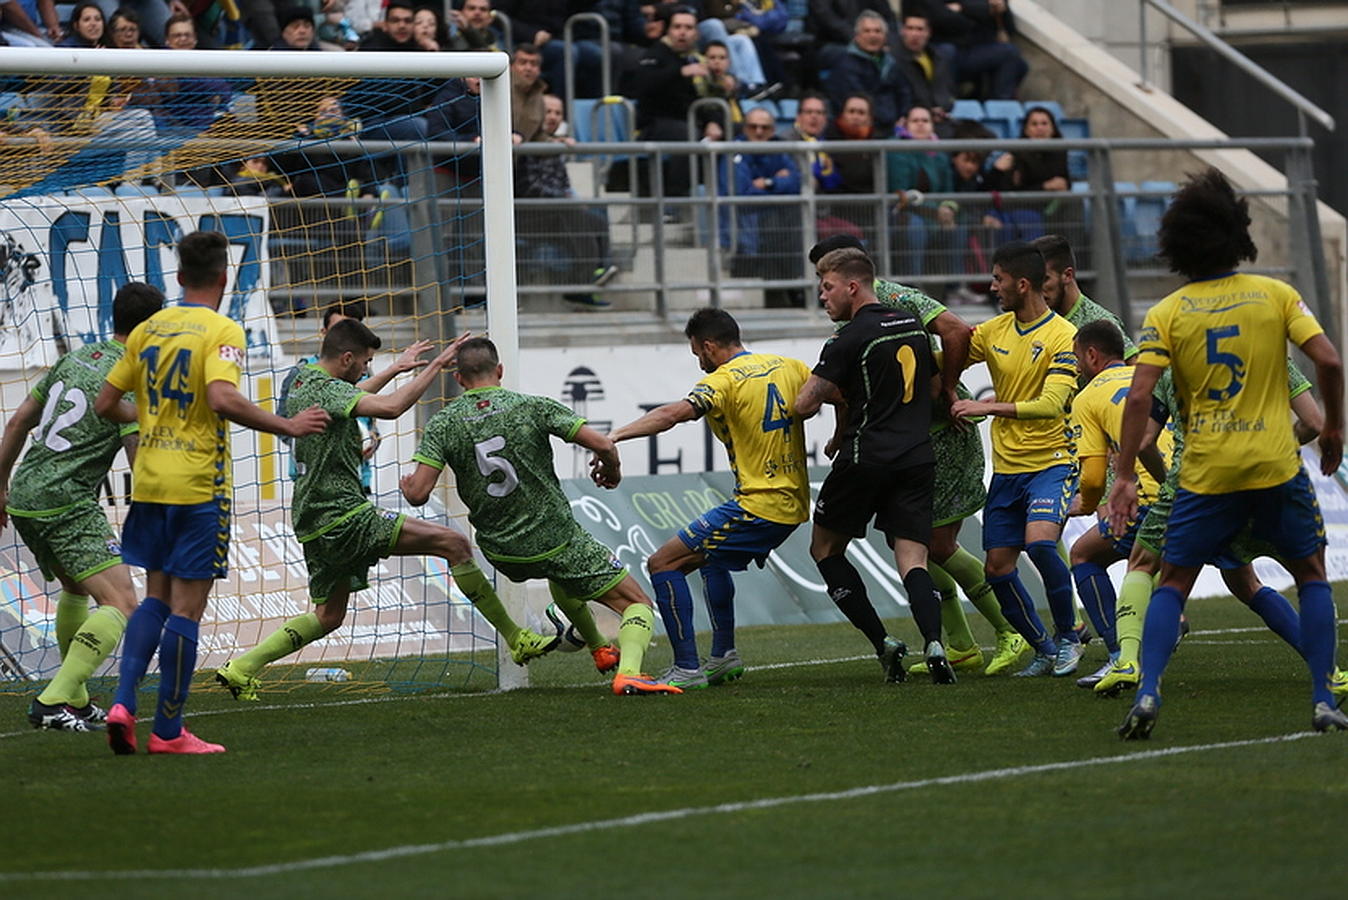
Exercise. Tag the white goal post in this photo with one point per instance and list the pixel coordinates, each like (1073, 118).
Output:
(496, 160)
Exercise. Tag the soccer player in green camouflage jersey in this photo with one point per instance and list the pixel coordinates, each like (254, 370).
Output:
(1235, 565)
(1063, 294)
(960, 491)
(342, 532)
(498, 444)
(54, 506)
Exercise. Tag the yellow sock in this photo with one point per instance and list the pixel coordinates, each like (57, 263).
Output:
(634, 636)
(1130, 613)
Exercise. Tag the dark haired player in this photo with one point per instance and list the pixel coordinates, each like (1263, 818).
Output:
(1224, 336)
(54, 506)
(1029, 354)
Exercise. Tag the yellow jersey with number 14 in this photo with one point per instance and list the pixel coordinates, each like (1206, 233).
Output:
(184, 455)
(748, 402)
(1021, 359)
(1226, 340)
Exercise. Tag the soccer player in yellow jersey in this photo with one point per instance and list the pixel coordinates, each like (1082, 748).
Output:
(747, 400)
(183, 365)
(1029, 354)
(1097, 414)
(1224, 337)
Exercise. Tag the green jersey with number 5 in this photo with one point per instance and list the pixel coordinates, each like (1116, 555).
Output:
(498, 444)
(72, 446)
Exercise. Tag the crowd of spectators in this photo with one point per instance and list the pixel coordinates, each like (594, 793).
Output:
(866, 70)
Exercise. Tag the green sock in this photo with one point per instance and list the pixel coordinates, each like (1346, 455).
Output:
(96, 638)
(283, 641)
(477, 588)
(953, 620)
(1130, 612)
(578, 611)
(967, 571)
(633, 637)
(71, 611)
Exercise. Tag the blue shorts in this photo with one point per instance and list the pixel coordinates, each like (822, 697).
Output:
(1286, 516)
(732, 538)
(190, 541)
(1124, 545)
(1017, 499)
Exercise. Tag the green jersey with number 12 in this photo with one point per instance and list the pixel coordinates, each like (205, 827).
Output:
(73, 447)
(498, 444)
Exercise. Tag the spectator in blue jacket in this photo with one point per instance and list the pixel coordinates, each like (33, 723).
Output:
(868, 68)
(767, 236)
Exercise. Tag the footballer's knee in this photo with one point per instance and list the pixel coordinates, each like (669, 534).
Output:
(454, 547)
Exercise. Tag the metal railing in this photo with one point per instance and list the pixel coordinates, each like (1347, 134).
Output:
(1304, 107)
(679, 245)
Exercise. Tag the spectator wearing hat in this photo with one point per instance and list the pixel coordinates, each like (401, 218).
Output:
(297, 29)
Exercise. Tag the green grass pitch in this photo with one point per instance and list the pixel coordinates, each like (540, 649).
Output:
(829, 783)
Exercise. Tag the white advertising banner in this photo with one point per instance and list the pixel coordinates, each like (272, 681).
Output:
(62, 260)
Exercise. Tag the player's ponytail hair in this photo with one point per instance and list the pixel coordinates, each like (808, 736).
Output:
(348, 336)
(1206, 229)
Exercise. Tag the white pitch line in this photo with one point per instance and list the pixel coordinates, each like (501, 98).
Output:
(648, 818)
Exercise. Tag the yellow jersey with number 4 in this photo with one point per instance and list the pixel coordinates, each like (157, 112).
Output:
(1226, 340)
(1097, 423)
(1021, 359)
(747, 402)
(184, 455)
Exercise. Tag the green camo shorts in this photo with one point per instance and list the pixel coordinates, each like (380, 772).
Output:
(1152, 533)
(345, 552)
(960, 491)
(584, 568)
(78, 542)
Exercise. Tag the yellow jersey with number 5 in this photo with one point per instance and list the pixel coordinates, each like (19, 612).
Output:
(184, 455)
(747, 402)
(1226, 340)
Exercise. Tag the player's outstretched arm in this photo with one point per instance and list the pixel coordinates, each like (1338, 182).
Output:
(605, 465)
(393, 405)
(658, 420)
(955, 335)
(417, 487)
(1329, 377)
(225, 400)
(110, 405)
(408, 360)
(814, 393)
(23, 421)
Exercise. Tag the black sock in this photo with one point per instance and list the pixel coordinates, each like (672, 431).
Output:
(848, 593)
(925, 604)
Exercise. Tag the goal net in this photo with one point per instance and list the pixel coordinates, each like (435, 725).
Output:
(344, 181)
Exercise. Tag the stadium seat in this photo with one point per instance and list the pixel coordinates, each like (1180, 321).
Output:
(127, 189)
(786, 110)
(1127, 196)
(610, 123)
(1078, 161)
(1003, 117)
(1147, 212)
(968, 109)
